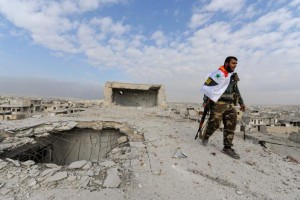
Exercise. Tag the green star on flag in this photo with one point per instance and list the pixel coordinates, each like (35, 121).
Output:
(218, 76)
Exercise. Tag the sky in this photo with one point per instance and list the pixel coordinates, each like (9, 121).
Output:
(72, 47)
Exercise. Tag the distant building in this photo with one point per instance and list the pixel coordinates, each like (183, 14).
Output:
(19, 108)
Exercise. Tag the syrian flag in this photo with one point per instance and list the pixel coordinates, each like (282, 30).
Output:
(216, 84)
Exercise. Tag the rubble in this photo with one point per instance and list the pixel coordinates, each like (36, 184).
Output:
(77, 164)
(112, 180)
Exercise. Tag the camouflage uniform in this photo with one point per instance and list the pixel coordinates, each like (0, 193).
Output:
(224, 109)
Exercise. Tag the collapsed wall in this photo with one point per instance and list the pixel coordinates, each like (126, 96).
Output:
(135, 95)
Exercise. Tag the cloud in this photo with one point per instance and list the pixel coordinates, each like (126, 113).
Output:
(198, 19)
(295, 3)
(159, 38)
(231, 6)
(268, 46)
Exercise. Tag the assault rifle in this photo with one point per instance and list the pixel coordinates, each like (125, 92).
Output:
(206, 111)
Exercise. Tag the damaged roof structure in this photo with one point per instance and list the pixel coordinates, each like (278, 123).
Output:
(136, 151)
(130, 94)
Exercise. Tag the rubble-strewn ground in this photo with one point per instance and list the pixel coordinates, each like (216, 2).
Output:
(150, 169)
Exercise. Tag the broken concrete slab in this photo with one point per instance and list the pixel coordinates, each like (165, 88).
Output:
(28, 163)
(112, 180)
(57, 177)
(122, 139)
(3, 165)
(34, 172)
(66, 126)
(71, 178)
(88, 165)
(84, 181)
(107, 164)
(15, 162)
(90, 173)
(31, 182)
(51, 165)
(77, 164)
(50, 171)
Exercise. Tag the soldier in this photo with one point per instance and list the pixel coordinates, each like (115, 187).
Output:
(221, 94)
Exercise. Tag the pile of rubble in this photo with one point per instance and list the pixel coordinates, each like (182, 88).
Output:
(92, 175)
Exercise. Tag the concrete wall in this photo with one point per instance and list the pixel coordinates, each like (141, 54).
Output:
(126, 97)
(281, 129)
(128, 94)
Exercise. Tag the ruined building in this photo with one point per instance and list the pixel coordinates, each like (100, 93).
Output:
(136, 95)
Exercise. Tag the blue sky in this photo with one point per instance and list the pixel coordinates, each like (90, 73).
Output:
(172, 42)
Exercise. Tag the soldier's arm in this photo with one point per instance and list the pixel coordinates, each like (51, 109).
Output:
(240, 99)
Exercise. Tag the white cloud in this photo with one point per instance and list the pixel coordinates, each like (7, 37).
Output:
(268, 48)
(231, 6)
(159, 38)
(108, 26)
(199, 19)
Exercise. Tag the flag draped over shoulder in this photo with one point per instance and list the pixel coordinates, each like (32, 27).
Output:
(216, 84)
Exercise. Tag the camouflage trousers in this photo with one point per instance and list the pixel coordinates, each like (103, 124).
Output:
(227, 113)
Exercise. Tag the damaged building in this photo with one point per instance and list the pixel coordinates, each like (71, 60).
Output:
(19, 108)
(135, 95)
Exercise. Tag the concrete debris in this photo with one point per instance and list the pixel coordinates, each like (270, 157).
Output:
(66, 126)
(28, 163)
(9, 175)
(90, 173)
(112, 180)
(77, 164)
(291, 159)
(98, 182)
(3, 165)
(31, 182)
(84, 181)
(5, 191)
(34, 172)
(50, 171)
(71, 178)
(37, 116)
(35, 187)
(122, 139)
(42, 135)
(51, 165)
(2, 184)
(239, 192)
(88, 165)
(107, 164)
(15, 162)
(180, 154)
(57, 177)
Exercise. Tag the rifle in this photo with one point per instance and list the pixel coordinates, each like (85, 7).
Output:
(206, 110)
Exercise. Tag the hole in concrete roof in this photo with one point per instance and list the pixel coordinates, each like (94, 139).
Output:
(66, 147)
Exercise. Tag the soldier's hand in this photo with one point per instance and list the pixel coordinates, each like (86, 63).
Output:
(242, 107)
